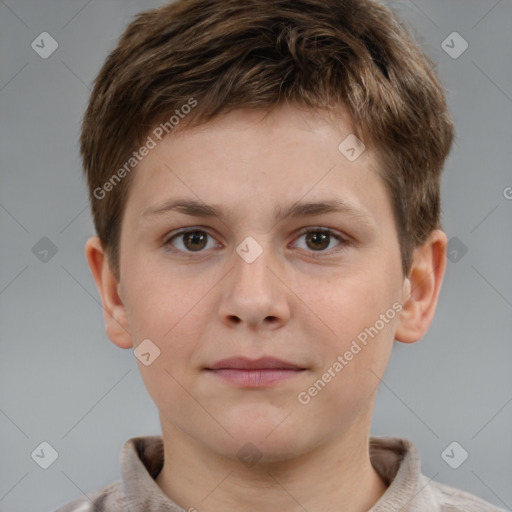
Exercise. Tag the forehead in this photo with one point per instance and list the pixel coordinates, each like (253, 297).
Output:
(249, 158)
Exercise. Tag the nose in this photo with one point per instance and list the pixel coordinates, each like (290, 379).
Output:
(255, 294)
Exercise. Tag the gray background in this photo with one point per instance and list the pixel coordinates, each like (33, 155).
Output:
(61, 379)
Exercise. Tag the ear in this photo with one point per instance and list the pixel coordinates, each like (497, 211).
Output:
(114, 310)
(421, 288)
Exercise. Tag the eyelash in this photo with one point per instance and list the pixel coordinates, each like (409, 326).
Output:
(343, 242)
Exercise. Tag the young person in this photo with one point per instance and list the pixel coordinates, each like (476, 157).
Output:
(264, 179)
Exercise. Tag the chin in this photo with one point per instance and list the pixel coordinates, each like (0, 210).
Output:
(256, 421)
(271, 441)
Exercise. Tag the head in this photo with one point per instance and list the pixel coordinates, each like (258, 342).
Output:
(244, 107)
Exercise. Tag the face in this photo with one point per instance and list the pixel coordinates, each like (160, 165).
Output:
(317, 288)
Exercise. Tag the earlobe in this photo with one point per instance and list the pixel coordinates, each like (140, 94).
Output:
(114, 309)
(421, 289)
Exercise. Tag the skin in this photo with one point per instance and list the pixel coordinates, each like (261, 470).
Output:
(286, 304)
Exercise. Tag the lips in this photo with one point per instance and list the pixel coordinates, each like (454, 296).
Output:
(263, 363)
(254, 373)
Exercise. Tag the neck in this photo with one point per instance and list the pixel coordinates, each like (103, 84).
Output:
(338, 473)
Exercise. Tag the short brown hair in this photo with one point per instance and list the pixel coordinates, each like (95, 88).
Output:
(228, 54)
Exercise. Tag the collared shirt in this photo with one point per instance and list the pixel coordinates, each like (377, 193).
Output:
(395, 460)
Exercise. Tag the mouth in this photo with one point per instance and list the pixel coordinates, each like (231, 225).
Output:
(248, 373)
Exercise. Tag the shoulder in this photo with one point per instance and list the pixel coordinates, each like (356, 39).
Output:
(106, 499)
(451, 499)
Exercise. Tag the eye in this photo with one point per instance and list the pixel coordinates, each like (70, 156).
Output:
(319, 239)
(195, 240)
(190, 240)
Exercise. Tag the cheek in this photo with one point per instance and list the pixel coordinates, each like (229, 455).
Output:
(345, 387)
(162, 313)
(358, 320)
(176, 335)
(344, 306)
(159, 300)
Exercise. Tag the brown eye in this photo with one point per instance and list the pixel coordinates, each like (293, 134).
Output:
(193, 240)
(318, 240)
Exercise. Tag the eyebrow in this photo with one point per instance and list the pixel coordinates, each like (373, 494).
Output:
(300, 209)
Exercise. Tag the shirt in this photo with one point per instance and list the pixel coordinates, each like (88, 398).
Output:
(395, 460)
